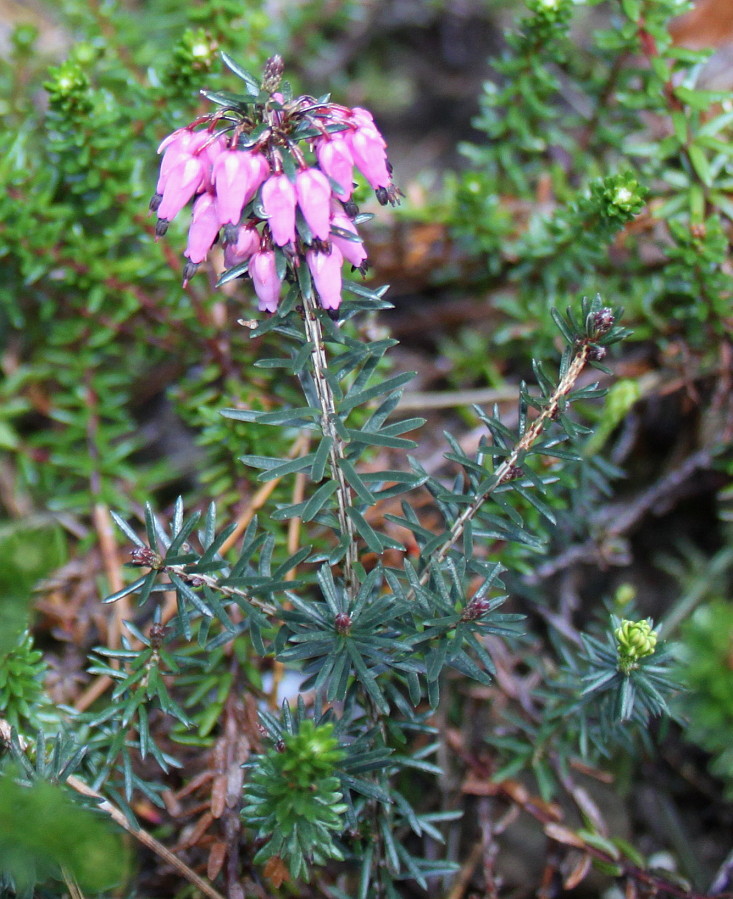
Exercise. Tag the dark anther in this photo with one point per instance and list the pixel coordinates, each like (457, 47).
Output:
(161, 226)
(189, 270)
(155, 202)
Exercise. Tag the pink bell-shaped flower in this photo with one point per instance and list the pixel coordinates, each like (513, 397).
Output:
(203, 229)
(325, 269)
(314, 194)
(352, 250)
(182, 182)
(367, 150)
(334, 157)
(267, 283)
(247, 243)
(177, 148)
(279, 201)
(237, 175)
(231, 182)
(364, 119)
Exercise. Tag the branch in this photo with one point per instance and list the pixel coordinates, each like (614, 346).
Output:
(506, 470)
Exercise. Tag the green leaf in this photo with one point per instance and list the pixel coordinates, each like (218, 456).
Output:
(700, 164)
(368, 535)
(356, 483)
(253, 85)
(321, 458)
(351, 400)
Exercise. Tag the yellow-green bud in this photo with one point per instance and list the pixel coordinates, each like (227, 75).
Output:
(634, 641)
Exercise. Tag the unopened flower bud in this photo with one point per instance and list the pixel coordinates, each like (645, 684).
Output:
(145, 558)
(603, 320)
(272, 73)
(476, 609)
(342, 623)
(634, 641)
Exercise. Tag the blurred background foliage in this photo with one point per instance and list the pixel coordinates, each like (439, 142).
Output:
(526, 140)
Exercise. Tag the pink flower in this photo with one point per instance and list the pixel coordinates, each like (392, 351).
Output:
(334, 157)
(237, 175)
(352, 250)
(364, 119)
(212, 148)
(177, 148)
(279, 201)
(184, 180)
(267, 283)
(204, 228)
(247, 243)
(326, 271)
(367, 149)
(314, 193)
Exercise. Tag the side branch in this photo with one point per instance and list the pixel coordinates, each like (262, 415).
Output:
(505, 471)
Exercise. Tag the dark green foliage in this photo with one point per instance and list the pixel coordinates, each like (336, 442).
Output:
(293, 798)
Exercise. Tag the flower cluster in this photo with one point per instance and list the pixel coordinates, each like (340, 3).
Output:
(273, 177)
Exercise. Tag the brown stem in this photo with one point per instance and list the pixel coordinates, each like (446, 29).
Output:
(144, 837)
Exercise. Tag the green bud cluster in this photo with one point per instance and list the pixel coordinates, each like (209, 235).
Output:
(551, 11)
(21, 682)
(619, 196)
(635, 640)
(294, 801)
(69, 89)
(192, 56)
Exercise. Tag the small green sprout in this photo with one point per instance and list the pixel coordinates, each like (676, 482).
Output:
(635, 640)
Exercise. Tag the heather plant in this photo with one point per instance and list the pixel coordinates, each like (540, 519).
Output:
(285, 664)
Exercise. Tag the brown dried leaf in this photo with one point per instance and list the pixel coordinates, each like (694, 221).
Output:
(217, 854)
(589, 810)
(479, 786)
(276, 871)
(563, 835)
(581, 863)
(219, 795)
